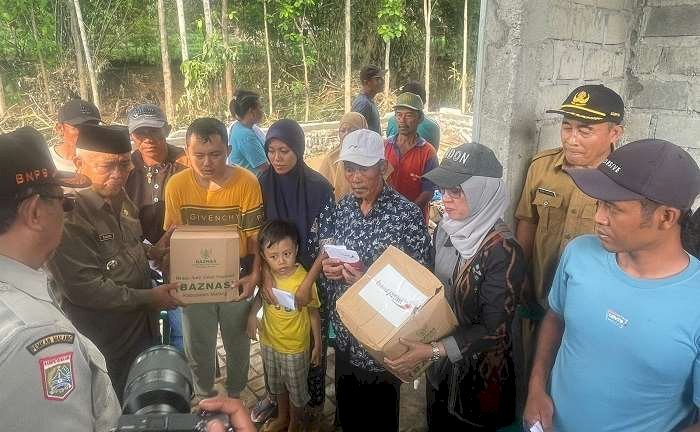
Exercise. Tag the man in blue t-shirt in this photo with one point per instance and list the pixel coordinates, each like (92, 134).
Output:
(619, 349)
(372, 79)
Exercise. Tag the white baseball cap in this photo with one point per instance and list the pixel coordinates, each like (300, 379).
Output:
(364, 147)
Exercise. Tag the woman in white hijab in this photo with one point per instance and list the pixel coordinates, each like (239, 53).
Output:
(471, 381)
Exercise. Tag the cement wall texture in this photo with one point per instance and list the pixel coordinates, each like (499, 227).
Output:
(536, 51)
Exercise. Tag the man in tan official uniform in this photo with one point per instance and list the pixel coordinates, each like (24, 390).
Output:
(552, 210)
(51, 376)
(101, 272)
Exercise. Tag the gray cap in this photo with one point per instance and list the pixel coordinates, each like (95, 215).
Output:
(651, 168)
(463, 162)
(146, 115)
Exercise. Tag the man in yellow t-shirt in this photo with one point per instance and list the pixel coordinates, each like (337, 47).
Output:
(215, 194)
(285, 331)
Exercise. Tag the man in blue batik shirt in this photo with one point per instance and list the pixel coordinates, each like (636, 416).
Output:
(622, 336)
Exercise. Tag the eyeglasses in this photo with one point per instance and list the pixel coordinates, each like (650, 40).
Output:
(453, 193)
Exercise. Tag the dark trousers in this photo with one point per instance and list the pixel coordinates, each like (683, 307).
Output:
(118, 365)
(439, 418)
(367, 401)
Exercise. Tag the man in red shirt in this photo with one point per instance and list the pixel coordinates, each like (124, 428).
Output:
(409, 155)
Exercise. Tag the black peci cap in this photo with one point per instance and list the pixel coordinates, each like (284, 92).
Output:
(593, 104)
(77, 111)
(463, 162)
(651, 168)
(104, 139)
(25, 161)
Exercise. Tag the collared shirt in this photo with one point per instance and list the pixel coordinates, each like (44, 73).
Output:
(101, 274)
(561, 211)
(366, 106)
(428, 129)
(408, 169)
(392, 221)
(52, 377)
(146, 185)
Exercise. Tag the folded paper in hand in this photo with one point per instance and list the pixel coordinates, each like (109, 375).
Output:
(342, 254)
(284, 298)
(392, 296)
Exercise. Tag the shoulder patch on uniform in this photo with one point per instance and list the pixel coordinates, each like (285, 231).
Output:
(52, 339)
(57, 376)
(549, 152)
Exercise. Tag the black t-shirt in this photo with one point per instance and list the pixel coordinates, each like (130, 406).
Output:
(691, 234)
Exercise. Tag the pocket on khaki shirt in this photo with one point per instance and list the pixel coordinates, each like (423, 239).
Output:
(548, 210)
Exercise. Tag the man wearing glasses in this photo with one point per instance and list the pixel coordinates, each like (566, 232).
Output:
(53, 377)
(101, 273)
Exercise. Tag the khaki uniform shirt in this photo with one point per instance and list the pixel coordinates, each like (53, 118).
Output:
(551, 200)
(102, 277)
(52, 377)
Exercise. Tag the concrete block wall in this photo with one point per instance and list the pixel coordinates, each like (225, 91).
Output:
(586, 41)
(663, 74)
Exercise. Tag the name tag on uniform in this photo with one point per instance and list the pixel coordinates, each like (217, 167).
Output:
(105, 237)
(547, 192)
(49, 340)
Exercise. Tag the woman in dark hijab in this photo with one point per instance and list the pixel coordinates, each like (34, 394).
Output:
(294, 192)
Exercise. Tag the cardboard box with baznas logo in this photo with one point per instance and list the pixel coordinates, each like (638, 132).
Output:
(205, 263)
(396, 298)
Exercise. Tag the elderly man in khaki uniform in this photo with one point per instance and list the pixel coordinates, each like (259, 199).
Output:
(52, 377)
(552, 211)
(101, 271)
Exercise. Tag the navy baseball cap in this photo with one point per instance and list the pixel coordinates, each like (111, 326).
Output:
(654, 169)
(25, 161)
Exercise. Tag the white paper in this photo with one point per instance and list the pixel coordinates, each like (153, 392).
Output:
(284, 298)
(342, 254)
(392, 296)
(537, 427)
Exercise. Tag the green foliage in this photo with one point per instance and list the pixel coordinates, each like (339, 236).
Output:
(391, 19)
(201, 73)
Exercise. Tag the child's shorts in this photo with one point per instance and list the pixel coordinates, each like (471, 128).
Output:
(287, 372)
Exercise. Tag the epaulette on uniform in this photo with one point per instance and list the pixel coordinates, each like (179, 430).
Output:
(549, 152)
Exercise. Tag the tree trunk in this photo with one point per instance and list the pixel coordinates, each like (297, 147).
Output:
(387, 77)
(42, 65)
(427, 15)
(306, 69)
(167, 76)
(269, 63)
(465, 51)
(208, 26)
(88, 58)
(228, 73)
(2, 96)
(183, 29)
(348, 57)
(78, 48)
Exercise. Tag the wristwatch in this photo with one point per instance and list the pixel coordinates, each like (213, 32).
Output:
(436, 352)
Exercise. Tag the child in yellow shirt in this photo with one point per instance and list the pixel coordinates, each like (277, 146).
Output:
(285, 334)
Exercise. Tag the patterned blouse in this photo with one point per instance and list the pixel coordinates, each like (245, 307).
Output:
(392, 221)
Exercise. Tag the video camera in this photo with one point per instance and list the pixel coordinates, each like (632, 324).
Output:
(158, 393)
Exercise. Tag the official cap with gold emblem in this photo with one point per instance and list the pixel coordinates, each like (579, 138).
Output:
(25, 161)
(593, 104)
